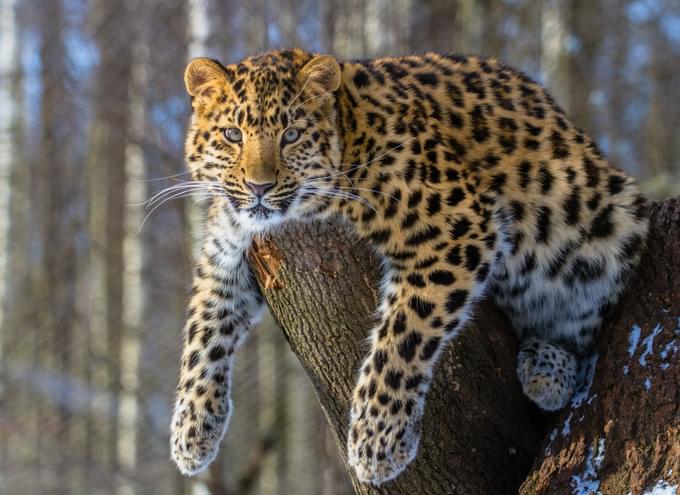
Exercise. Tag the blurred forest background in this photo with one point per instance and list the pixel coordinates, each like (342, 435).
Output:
(92, 115)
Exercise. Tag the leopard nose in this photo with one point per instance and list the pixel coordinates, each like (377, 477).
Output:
(259, 189)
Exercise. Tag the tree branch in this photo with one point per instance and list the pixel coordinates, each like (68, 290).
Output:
(632, 411)
(480, 434)
(472, 441)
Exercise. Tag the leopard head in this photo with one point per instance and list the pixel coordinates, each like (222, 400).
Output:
(263, 137)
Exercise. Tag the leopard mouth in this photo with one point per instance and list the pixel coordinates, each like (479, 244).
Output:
(260, 211)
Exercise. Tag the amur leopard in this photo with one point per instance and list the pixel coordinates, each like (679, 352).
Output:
(465, 176)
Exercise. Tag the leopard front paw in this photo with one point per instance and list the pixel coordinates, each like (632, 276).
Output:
(383, 437)
(197, 430)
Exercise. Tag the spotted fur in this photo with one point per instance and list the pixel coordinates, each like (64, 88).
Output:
(466, 177)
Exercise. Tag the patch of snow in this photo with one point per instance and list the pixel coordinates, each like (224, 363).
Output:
(587, 483)
(633, 339)
(585, 381)
(648, 384)
(599, 455)
(668, 352)
(551, 438)
(648, 344)
(671, 347)
(566, 429)
(662, 488)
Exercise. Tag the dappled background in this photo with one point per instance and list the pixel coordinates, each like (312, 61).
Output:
(93, 283)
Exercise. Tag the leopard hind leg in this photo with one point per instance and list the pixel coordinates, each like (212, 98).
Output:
(548, 373)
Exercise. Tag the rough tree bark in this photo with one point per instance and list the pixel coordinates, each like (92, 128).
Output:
(624, 436)
(480, 434)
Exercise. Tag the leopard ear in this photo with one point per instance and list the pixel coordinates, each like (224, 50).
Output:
(320, 75)
(202, 75)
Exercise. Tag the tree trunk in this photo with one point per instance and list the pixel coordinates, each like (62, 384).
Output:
(105, 177)
(624, 435)
(129, 455)
(58, 196)
(328, 296)
(480, 434)
(9, 118)
(553, 57)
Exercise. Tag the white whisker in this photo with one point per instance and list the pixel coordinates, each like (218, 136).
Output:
(298, 94)
(186, 185)
(167, 177)
(202, 194)
(351, 188)
(307, 100)
(337, 194)
(361, 165)
(167, 193)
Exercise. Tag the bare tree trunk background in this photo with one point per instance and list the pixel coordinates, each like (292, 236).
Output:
(480, 434)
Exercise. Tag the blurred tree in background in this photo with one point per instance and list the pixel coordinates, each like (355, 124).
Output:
(92, 115)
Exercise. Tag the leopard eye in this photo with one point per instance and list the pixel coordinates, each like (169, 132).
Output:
(290, 136)
(234, 134)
